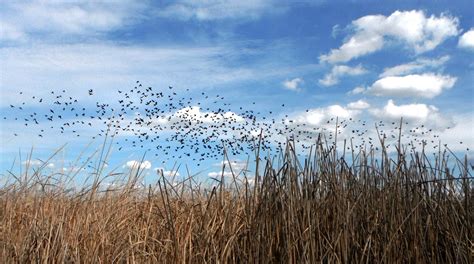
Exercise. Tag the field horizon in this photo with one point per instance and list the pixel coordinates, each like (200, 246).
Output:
(321, 209)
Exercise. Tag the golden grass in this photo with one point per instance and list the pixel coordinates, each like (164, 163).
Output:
(407, 209)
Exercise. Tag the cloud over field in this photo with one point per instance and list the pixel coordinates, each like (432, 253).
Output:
(167, 173)
(414, 113)
(135, 164)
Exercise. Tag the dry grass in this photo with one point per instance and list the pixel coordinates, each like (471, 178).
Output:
(375, 208)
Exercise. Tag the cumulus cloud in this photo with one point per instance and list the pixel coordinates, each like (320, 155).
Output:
(416, 113)
(413, 28)
(339, 71)
(135, 164)
(215, 9)
(306, 126)
(215, 174)
(195, 115)
(426, 85)
(235, 164)
(167, 173)
(293, 84)
(238, 167)
(467, 40)
(415, 66)
(462, 130)
(360, 104)
(319, 116)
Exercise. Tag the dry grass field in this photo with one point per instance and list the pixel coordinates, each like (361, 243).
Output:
(375, 208)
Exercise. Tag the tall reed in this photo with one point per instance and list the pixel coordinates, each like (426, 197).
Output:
(371, 207)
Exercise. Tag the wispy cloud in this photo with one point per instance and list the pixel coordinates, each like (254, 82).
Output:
(104, 67)
(339, 71)
(357, 90)
(418, 65)
(216, 9)
(58, 18)
(10, 32)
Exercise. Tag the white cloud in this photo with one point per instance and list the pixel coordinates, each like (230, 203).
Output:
(238, 169)
(236, 165)
(135, 164)
(425, 85)
(462, 129)
(75, 169)
(167, 173)
(215, 9)
(38, 163)
(415, 66)
(336, 29)
(34, 163)
(66, 17)
(216, 174)
(106, 67)
(467, 40)
(414, 28)
(318, 116)
(359, 105)
(306, 126)
(248, 181)
(356, 46)
(415, 113)
(357, 90)
(9, 32)
(195, 115)
(339, 71)
(293, 84)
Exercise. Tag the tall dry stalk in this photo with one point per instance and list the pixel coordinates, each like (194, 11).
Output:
(371, 208)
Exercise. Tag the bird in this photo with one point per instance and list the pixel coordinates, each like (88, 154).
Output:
(199, 124)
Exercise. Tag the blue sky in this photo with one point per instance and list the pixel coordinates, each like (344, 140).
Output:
(368, 60)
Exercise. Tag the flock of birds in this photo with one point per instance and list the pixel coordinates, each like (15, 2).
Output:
(173, 125)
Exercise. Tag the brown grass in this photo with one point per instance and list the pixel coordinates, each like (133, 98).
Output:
(377, 208)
